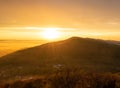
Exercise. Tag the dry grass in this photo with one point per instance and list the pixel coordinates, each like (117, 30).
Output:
(68, 79)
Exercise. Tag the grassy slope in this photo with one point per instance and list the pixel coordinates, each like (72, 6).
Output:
(89, 54)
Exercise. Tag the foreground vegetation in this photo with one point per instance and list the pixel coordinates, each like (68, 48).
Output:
(67, 79)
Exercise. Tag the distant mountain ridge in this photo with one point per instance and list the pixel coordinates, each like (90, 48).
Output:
(113, 42)
(89, 54)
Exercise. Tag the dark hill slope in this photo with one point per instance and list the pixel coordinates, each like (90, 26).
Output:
(89, 54)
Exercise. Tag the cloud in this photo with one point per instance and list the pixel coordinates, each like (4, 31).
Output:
(34, 29)
(58, 12)
(113, 23)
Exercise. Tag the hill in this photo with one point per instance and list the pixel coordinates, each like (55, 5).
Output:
(85, 53)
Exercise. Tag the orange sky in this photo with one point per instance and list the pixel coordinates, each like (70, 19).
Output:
(86, 18)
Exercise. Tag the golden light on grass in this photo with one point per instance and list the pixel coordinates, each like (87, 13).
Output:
(51, 33)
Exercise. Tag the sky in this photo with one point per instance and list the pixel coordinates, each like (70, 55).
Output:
(26, 19)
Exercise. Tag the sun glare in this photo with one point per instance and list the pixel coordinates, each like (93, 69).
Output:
(51, 33)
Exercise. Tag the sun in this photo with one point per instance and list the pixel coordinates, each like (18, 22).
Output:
(51, 33)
